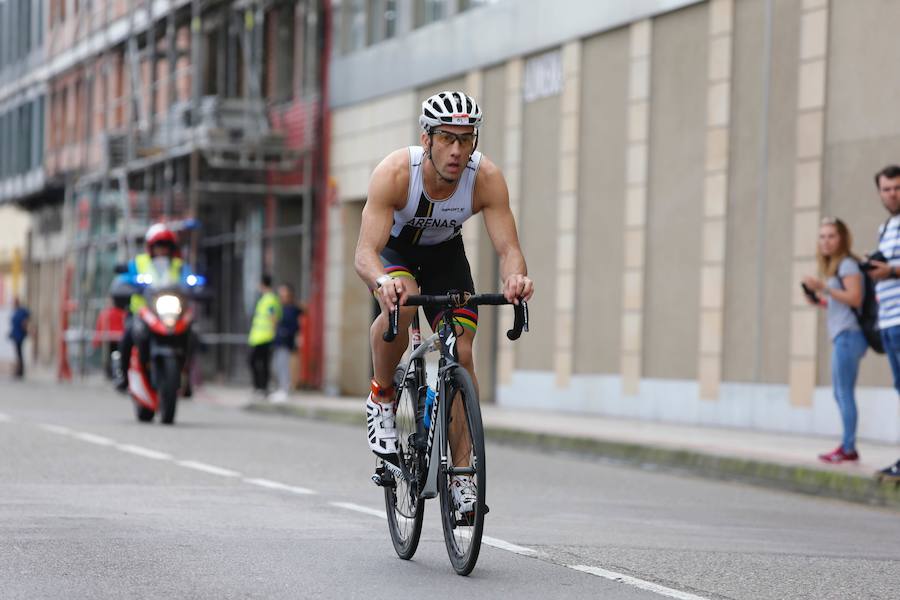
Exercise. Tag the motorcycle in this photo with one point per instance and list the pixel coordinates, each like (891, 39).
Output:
(162, 334)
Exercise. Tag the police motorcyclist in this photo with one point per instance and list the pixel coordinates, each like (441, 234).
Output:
(160, 260)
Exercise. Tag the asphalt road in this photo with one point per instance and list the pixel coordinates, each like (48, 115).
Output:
(227, 504)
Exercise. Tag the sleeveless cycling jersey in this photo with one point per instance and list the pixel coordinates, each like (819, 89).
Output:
(426, 222)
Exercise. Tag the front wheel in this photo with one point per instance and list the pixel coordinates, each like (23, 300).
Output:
(465, 459)
(143, 414)
(401, 497)
(170, 379)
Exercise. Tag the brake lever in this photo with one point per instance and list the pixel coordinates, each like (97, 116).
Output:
(393, 325)
(520, 322)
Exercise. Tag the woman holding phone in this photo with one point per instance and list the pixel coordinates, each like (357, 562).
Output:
(839, 290)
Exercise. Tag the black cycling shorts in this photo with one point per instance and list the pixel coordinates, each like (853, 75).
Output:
(437, 269)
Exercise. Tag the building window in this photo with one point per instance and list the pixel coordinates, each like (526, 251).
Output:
(3, 151)
(25, 35)
(429, 11)
(382, 20)
(356, 25)
(467, 4)
(281, 73)
(4, 34)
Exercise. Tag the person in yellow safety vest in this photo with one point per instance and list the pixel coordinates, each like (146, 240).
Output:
(159, 261)
(262, 334)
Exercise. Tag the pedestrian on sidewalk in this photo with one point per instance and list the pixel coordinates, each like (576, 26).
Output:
(262, 335)
(285, 341)
(886, 270)
(839, 290)
(18, 331)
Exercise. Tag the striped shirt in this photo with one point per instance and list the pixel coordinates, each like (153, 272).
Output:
(888, 290)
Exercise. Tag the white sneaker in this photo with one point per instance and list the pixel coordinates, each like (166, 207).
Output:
(381, 429)
(278, 397)
(465, 495)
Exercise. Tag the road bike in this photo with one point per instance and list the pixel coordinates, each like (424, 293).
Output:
(428, 458)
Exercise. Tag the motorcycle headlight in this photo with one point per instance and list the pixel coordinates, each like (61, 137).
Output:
(168, 308)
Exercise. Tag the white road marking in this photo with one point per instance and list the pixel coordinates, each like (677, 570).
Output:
(360, 509)
(275, 485)
(522, 550)
(93, 439)
(4, 418)
(509, 547)
(638, 583)
(55, 428)
(145, 452)
(211, 469)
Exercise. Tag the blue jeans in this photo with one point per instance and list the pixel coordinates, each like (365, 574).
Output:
(890, 337)
(848, 349)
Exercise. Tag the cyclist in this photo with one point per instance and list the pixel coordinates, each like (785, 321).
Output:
(410, 242)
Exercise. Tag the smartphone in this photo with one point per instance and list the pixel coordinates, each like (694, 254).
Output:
(867, 265)
(809, 293)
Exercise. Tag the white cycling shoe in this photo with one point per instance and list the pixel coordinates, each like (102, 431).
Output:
(381, 429)
(464, 492)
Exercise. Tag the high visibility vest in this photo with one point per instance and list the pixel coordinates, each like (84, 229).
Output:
(143, 264)
(265, 319)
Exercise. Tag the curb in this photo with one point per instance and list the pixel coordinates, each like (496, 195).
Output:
(790, 478)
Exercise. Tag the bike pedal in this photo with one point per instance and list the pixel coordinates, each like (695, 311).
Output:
(381, 478)
(467, 522)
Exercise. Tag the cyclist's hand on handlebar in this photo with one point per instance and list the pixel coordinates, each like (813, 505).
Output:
(516, 287)
(396, 291)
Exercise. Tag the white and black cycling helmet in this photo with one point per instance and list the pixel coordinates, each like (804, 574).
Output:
(449, 108)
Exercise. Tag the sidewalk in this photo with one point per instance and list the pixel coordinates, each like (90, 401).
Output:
(780, 461)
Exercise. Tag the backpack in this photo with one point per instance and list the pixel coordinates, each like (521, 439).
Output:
(867, 314)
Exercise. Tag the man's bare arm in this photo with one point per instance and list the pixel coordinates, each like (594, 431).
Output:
(388, 184)
(492, 198)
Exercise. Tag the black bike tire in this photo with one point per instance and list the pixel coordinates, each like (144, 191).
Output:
(143, 414)
(405, 546)
(170, 379)
(464, 562)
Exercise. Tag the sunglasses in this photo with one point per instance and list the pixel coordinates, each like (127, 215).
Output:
(447, 138)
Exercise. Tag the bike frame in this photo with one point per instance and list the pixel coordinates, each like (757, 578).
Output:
(436, 440)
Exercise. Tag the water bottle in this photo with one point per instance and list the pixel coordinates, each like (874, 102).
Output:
(429, 402)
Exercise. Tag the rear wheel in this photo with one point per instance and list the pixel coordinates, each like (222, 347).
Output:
(401, 496)
(170, 379)
(462, 530)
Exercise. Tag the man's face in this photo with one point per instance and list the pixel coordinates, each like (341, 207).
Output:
(452, 145)
(284, 294)
(160, 250)
(889, 190)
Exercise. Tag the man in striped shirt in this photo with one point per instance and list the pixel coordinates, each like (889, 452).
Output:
(886, 274)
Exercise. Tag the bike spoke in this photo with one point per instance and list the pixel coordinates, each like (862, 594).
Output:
(404, 509)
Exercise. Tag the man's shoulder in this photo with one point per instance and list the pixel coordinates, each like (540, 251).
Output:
(395, 164)
(489, 182)
(390, 179)
(489, 173)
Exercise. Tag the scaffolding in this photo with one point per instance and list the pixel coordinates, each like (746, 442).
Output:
(204, 137)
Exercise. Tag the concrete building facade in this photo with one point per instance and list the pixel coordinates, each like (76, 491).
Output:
(668, 164)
